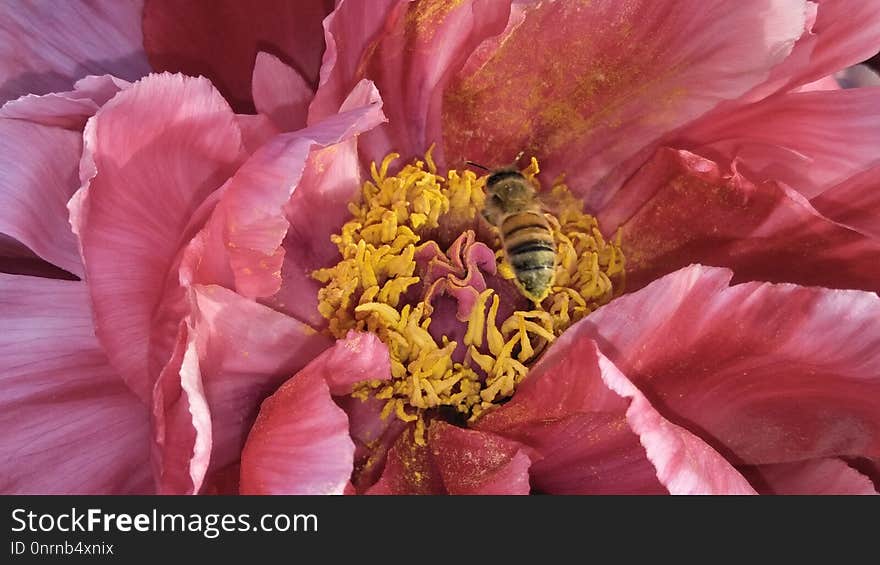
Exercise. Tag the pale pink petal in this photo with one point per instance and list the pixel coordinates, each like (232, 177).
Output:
(69, 424)
(256, 130)
(764, 373)
(300, 442)
(66, 109)
(475, 462)
(410, 468)
(807, 140)
(250, 222)
(855, 202)
(152, 155)
(593, 432)
(825, 83)
(585, 102)
(221, 39)
(46, 46)
(281, 92)
(182, 433)
(817, 476)
(245, 352)
(39, 165)
(688, 211)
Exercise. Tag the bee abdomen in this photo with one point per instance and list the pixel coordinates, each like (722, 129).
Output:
(531, 251)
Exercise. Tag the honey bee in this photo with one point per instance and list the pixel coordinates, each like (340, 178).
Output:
(513, 208)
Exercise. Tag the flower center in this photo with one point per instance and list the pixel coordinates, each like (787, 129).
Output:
(425, 272)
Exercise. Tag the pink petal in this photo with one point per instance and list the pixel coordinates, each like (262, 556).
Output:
(249, 224)
(688, 211)
(245, 352)
(825, 83)
(221, 39)
(69, 424)
(66, 109)
(585, 102)
(16, 259)
(182, 431)
(765, 373)
(281, 92)
(594, 432)
(300, 442)
(855, 202)
(817, 476)
(420, 48)
(858, 76)
(410, 468)
(39, 167)
(48, 45)
(475, 462)
(152, 155)
(807, 140)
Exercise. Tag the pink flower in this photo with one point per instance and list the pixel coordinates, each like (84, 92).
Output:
(197, 234)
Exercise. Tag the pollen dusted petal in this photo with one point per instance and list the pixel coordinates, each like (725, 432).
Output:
(686, 210)
(584, 102)
(409, 469)
(300, 442)
(70, 425)
(139, 195)
(221, 39)
(47, 46)
(764, 373)
(475, 462)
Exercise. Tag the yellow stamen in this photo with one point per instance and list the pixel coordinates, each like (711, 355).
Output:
(372, 286)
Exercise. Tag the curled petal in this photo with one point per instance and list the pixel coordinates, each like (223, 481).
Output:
(300, 443)
(817, 476)
(764, 373)
(281, 92)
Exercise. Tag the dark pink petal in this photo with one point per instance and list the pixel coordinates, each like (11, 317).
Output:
(817, 476)
(584, 102)
(47, 46)
(592, 431)
(69, 424)
(221, 39)
(245, 352)
(66, 109)
(152, 155)
(475, 462)
(16, 259)
(39, 165)
(300, 442)
(807, 140)
(855, 202)
(250, 222)
(410, 468)
(281, 92)
(182, 432)
(688, 211)
(764, 373)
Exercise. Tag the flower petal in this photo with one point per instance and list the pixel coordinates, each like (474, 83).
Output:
(300, 442)
(855, 202)
(221, 39)
(39, 165)
(410, 468)
(245, 352)
(48, 45)
(764, 373)
(584, 102)
(281, 92)
(70, 425)
(182, 432)
(594, 432)
(66, 109)
(475, 462)
(817, 476)
(249, 224)
(688, 211)
(152, 155)
(807, 140)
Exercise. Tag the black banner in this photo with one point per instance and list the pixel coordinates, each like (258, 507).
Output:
(72, 529)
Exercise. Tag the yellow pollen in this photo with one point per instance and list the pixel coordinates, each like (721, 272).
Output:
(374, 285)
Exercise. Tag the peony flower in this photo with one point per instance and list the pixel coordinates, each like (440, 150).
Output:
(712, 326)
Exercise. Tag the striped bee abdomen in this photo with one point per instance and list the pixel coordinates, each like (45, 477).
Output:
(531, 251)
